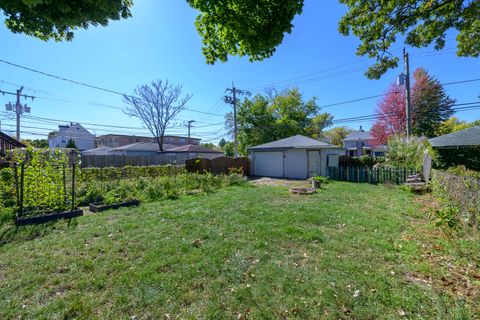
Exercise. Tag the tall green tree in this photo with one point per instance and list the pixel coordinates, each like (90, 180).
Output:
(431, 104)
(71, 144)
(336, 135)
(59, 19)
(36, 143)
(266, 118)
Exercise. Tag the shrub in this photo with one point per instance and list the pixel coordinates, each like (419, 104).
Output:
(406, 154)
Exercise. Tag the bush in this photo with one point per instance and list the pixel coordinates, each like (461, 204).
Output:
(406, 154)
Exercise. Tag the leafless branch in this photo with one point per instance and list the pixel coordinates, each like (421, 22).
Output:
(157, 105)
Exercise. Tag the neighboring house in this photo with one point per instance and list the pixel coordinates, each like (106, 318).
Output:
(83, 139)
(297, 157)
(120, 140)
(459, 148)
(358, 143)
(8, 143)
(194, 151)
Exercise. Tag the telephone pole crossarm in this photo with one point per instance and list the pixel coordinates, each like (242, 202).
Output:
(233, 101)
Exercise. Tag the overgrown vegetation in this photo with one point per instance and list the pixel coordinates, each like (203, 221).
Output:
(47, 182)
(459, 193)
(45, 177)
(152, 188)
(406, 154)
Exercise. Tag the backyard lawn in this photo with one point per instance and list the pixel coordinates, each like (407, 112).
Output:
(351, 251)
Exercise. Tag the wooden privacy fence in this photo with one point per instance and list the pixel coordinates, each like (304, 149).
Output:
(103, 161)
(370, 175)
(218, 165)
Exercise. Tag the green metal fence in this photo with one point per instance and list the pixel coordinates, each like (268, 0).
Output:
(370, 175)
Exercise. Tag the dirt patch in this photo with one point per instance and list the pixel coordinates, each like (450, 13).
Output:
(279, 182)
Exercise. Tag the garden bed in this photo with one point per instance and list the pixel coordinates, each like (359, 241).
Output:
(99, 207)
(302, 190)
(48, 217)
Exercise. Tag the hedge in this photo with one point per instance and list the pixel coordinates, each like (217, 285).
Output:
(129, 172)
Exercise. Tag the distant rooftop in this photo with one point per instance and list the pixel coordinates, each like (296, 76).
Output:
(192, 148)
(146, 137)
(297, 141)
(358, 135)
(142, 146)
(465, 137)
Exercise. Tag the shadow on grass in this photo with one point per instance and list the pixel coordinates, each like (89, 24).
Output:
(12, 233)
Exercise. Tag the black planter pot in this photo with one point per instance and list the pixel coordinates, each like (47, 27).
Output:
(98, 207)
(48, 217)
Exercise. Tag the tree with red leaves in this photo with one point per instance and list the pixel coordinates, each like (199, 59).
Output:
(431, 106)
(391, 119)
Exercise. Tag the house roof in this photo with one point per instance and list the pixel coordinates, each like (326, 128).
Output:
(192, 148)
(143, 137)
(295, 142)
(465, 137)
(142, 146)
(99, 149)
(72, 131)
(358, 135)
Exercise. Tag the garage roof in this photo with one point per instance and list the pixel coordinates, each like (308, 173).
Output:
(295, 142)
(466, 137)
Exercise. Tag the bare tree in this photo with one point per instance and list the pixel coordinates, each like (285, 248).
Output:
(156, 105)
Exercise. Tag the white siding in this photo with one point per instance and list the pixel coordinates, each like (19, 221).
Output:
(325, 153)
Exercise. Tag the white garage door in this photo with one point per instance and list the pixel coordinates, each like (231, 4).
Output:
(296, 164)
(268, 164)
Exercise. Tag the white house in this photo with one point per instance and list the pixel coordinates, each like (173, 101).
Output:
(83, 139)
(296, 157)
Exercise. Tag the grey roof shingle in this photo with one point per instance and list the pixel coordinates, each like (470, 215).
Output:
(192, 148)
(465, 137)
(142, 146)
(358, 135)
(298, 142)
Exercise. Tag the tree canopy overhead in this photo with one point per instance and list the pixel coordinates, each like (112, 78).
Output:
(255, 28)
(58, 19)
(378, 23)
(244, 27)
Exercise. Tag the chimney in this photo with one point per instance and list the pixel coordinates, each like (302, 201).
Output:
(361, 129)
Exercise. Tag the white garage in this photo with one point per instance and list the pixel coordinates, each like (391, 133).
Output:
(296, 157)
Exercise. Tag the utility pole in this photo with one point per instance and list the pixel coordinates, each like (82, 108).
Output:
(189, 125)
(233, 101)
(18, 108)
(407, 94)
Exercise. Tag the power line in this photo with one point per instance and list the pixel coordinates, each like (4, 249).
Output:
(84, 84)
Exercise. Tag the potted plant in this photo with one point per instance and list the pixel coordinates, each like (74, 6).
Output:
(317, 181)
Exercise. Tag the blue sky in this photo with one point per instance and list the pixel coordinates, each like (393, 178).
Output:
(160, 42)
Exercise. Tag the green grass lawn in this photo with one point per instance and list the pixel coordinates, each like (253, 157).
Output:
(351, 251)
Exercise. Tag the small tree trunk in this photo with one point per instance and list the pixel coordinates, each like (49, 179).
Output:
(161, 143)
